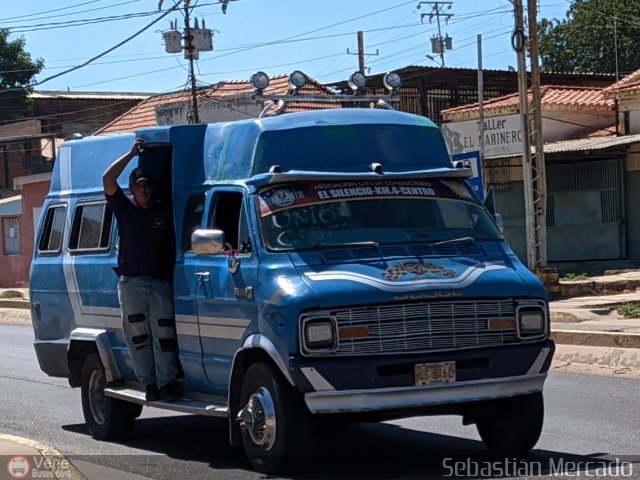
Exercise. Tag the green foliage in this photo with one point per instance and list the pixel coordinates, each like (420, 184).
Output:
(17, 71)
(629, 310)
(11, 294)
(573, 277)
(583, 42)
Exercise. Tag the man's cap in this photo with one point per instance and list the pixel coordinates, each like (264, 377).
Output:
(139, 175)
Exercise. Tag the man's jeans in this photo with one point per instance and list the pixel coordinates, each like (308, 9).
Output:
(149, 328)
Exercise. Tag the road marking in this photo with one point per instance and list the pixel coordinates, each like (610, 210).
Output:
(50, 454)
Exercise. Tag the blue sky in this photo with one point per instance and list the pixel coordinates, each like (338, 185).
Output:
(276, 36)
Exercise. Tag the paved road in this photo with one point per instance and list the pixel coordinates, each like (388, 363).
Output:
(589, 418)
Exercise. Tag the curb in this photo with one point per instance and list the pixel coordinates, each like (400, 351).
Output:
(51, 457)
(596, 339)
(15, 303)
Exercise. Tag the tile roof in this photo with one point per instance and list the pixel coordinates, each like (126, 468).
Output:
(143, 115)
(41, 94)
(554, 97)
(630, 83)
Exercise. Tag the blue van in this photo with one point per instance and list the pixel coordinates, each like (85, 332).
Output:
(328, 264)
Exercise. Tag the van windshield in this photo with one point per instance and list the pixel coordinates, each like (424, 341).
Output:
(314, 215)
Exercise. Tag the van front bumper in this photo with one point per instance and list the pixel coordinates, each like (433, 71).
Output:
(385, 399)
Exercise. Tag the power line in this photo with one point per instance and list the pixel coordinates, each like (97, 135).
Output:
(30, 18)
(51, 11)
(112, 48)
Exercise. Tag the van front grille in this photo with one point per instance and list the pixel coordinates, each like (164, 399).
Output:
(426, 326)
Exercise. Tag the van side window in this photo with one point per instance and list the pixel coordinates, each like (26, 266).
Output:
(91, 228)
(192, 218)
(226, 214)
(52, 230)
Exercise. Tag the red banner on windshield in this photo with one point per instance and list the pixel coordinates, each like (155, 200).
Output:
(282, 197)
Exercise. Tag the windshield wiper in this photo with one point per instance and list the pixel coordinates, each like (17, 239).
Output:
(366, 243)
(453, 240)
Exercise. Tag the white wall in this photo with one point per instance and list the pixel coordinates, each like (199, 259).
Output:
(209, 111)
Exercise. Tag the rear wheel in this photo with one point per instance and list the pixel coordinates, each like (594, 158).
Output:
(106, 418)
(514, 426)
(275, 424)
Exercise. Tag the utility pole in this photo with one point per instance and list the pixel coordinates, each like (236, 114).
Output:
(481, 111)
(439, 44)
(533, 163)
(191, 52)
(361, 53)
(196, 39)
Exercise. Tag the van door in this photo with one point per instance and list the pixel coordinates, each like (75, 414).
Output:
(188, 215)
(227, 284)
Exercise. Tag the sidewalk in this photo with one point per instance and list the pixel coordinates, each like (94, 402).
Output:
(24, 458)
(590, 335)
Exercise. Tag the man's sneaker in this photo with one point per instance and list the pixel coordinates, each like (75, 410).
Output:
(170, 392)
(152, 394)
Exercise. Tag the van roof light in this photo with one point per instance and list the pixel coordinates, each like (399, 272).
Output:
(275, 169)
(259, 80)
(357, 81)
(297, 80)
(392, 81)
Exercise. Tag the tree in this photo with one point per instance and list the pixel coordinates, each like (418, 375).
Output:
(584, 41)
(17, 71)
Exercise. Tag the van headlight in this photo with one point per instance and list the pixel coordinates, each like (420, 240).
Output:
(532, 321)
(319, 334)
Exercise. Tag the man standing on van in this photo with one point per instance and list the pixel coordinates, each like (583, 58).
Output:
(145, 266)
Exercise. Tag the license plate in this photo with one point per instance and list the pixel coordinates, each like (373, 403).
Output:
(431, 373)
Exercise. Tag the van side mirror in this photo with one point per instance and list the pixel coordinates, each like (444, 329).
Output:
(207, 242)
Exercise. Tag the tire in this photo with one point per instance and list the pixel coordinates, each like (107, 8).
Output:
(514, 426)
(106, 418)
(276, 426)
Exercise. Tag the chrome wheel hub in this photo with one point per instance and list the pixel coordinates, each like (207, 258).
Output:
(258, 419)
(97, 397)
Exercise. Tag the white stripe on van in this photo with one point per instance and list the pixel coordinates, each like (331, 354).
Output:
(187, 328)
(105, 317)
(64, 160)
(68, 266)
(212, 327)
(93, 321)
(225, 321)
(466, 278)
(216, 331)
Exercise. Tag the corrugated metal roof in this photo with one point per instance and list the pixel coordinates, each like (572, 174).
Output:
(144, 114)
(597, 143)
(584, 144)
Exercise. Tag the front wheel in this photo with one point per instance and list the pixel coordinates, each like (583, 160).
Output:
(275, 424)
(106, 418)
(514, 426)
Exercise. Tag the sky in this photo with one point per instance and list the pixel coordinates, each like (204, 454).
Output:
(275, 36)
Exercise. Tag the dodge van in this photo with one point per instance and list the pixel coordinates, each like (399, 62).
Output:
(329, 265)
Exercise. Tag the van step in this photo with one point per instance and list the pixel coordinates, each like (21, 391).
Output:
(185, 405)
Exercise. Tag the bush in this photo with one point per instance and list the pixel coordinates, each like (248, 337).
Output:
(573, 277)
(11, 294)
(629, 310)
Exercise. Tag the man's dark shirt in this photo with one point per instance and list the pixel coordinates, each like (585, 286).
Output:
(147, 239)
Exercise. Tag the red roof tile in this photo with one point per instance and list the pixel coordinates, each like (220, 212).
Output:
(628, 84)
(143, 115)
(553, 98)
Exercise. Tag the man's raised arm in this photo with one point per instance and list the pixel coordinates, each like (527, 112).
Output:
(113, 171)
